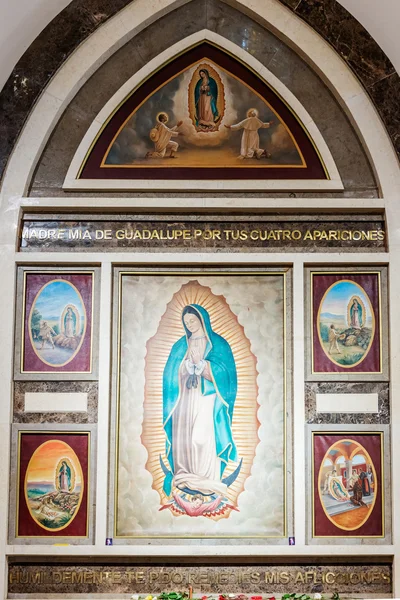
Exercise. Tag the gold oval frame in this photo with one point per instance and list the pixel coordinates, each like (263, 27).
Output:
(84, 323)
(373, 323)
(52, 529)
(369, 462)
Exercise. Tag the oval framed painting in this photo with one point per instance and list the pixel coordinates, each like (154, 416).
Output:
(347, 484)
(346, 323)
(57, 323)
(54, 485)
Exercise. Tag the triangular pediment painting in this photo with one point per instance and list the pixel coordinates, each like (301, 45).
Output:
(204, 115)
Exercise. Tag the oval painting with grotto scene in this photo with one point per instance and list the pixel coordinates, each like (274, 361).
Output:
(54, 485)
(57, 323)
(346, 323)
(347, 484)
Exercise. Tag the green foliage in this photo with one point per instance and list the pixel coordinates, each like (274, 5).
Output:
(35, 322)
(56, 329)
(172, 596)
(296, 596)
(63, 520)
(324, 331)
(48, 523)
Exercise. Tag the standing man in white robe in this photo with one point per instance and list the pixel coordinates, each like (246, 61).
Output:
(250, 146)
(162, 136)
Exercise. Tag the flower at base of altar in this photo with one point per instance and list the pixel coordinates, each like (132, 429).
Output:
(256, 598)
(317, 596)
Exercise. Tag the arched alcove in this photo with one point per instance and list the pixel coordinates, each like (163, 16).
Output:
(335, 115)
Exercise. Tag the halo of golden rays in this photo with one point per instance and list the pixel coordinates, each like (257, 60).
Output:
(245, 423)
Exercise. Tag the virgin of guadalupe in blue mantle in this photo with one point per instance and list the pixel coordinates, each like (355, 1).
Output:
(206, 95)
(199, 393)
(64, 477)
(356, 314)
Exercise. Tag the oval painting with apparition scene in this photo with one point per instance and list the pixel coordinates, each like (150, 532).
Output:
(54, 485)
(347, 484)
(57, 323)
(346, 323)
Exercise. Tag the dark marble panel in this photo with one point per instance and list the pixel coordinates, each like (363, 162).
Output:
(81, 17)
(328, 116)
(41, 61)
(382, 389)
(21, 387)
(385, 95)
(348, 37)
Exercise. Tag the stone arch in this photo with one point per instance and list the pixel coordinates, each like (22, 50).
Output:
(56, 43)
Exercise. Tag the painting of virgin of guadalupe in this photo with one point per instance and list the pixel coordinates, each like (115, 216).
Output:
(70, 322)
(64, 476)
(199, 393)
(205, 99)
(204, 107)
(356, 313)
(195, 389)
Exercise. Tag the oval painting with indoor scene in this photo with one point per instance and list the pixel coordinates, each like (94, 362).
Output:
(347, 484)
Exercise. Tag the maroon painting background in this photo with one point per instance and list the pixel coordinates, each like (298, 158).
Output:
(92, 168)
(370, 283)
(81, 362)
(79, 443)
(322, 525)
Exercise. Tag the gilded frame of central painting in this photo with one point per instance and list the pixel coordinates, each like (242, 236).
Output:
(200, 442)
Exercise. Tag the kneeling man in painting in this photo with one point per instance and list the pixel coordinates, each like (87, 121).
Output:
(161, 136)
(357, 498)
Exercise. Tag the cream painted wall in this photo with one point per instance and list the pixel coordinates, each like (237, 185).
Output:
(23, 20)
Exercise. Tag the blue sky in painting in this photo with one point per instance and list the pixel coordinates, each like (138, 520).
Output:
(337, 299)
(55, 296)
